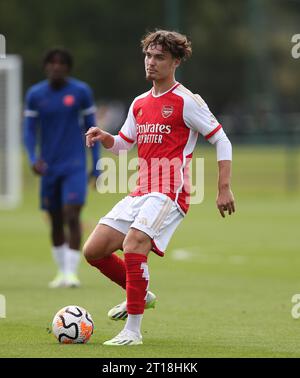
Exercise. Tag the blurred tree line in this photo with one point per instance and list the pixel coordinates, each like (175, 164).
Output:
(241, 49)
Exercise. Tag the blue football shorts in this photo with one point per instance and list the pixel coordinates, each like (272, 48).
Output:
(58, 190)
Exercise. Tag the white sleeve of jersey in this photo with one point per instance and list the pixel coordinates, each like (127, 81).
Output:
(120, 145)
(198, 117)
(128, 130)
(127, 135)
(224, 148)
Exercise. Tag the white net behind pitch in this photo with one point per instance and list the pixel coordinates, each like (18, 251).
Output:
(10, 131)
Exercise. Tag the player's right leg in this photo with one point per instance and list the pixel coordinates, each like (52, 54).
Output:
(99, 252)
(119, 312)
(58, 246)
(51, 203)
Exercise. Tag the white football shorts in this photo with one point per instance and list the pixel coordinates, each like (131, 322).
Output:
(154, 213)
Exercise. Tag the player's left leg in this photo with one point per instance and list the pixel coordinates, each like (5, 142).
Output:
(136, 247)
(73, 254)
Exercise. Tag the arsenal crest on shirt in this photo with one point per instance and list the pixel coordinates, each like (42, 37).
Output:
(167, 110)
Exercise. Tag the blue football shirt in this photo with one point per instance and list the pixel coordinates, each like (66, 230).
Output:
(59, 118)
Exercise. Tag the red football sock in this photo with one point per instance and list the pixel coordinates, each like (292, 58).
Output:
(137, 281)
(112, 267)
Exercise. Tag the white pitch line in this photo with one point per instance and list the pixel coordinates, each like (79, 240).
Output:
(184, 254)
(181, 254)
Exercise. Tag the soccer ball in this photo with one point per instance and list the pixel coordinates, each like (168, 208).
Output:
(72, 325)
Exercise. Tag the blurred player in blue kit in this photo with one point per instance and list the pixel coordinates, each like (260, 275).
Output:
(58, 111)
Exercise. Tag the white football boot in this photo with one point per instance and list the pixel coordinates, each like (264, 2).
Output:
(59, 281)
(71, 280)
(125, 337)
(119, 312)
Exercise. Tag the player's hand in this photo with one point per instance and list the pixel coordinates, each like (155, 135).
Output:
(225, 202)
(94, 134)
(39, 167)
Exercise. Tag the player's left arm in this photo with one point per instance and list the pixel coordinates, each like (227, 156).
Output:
(199, 118)
(89, 116)
(225, 199)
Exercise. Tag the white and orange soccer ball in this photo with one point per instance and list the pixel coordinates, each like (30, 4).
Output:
(72, 325)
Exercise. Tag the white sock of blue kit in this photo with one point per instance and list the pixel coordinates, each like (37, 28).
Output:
(72, 260)
(59, 256)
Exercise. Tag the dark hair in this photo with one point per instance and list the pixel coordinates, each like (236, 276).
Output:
(177, 44)
(64, 55)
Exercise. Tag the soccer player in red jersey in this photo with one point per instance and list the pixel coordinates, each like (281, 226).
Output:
(164, 123)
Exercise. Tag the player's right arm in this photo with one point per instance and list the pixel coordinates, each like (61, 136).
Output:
(95, 134)
(125, 140)
(30, 134)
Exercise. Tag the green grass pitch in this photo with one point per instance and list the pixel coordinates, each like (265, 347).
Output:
(224, 287)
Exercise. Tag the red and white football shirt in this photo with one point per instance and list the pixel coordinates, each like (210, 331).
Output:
(165, 129)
